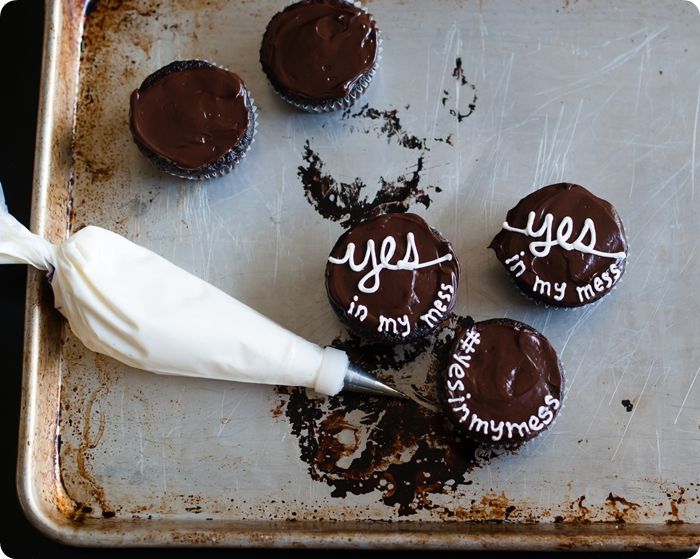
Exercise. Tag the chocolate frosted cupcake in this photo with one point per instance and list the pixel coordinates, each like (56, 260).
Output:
(503, 384)
(392, 279)
(563, 246)
(320, 55)
(193, 119)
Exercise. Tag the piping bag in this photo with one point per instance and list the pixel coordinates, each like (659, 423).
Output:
(135, 306)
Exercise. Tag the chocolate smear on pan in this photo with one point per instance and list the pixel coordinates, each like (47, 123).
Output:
(347, 203)
(404, 449)
(458, 75)
(390, 127)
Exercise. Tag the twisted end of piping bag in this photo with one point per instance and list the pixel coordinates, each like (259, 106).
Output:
(336, 373)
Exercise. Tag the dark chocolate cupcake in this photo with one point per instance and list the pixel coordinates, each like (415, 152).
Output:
(392, 278)
(563, 246)
(193, 119)
(320, 55)
(503, 384)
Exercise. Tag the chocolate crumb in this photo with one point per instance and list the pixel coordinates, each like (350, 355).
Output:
(391, 127)
(629, 406)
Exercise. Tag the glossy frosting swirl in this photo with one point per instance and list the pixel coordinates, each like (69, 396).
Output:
(319, 49)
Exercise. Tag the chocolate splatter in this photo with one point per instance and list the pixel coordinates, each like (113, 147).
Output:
(340, 201)
(458, 74)
(458, 71)
(391, 126)
(404, 449)
(447, 140)
(629, 406)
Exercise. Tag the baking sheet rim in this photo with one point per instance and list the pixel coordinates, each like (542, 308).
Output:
(46, 515)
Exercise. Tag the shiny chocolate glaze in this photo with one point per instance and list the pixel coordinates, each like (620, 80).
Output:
(403, 295)
(319, 49)
(191, 113)
(593, 275)
(502, 371)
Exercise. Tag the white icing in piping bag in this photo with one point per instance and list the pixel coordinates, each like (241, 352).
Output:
(127, 302)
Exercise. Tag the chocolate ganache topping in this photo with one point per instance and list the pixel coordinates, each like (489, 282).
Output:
(319, 49)
(392, 278)
(563, 246)
(190, 116)
(503, 384)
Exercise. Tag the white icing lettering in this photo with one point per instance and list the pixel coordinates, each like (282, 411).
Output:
(445, 296)
(360, 312)
(385, 323)
(463, 359)
(470, 340)
(586, 290)
(480, 424)
(542, 286)
(534, 424)
(432, 317)
(387, 249)
(616, 272)
(436, 312)
(447, 287)
(564, 231)
(403, 321)
(552, 402)
(545, 415)
(498, 429)
(519, 264)
(455, 371)
(560, 290)
(462, 408)
(521, 427)
(598, 284)
(456, 385)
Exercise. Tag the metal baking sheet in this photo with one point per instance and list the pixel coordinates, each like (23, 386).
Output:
(475, 105)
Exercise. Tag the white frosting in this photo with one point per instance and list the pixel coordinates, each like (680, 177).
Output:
(129, 303)
(564, 230)
(387, 249)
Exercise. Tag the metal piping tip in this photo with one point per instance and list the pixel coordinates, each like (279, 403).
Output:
(359, 380)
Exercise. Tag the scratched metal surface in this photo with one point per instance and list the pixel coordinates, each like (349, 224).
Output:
(605, 94)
